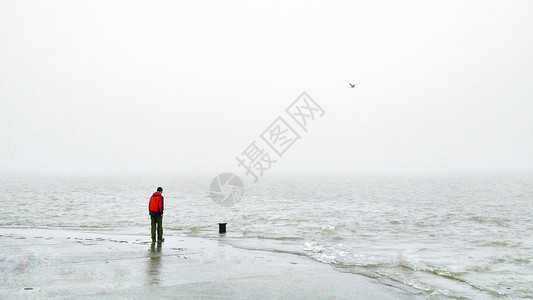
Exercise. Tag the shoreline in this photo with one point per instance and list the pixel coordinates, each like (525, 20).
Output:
(64, 263)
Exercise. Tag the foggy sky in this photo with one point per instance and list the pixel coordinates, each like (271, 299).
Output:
(152, 86)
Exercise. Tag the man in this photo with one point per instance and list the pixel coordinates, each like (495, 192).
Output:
(155, 208)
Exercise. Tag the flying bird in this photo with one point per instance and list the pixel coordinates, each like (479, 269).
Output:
(352, 85)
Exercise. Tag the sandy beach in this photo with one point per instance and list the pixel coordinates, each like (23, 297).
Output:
(49, 263)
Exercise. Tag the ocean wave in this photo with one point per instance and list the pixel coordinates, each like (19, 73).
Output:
(416, 274)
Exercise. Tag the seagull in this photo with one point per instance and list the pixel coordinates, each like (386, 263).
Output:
(352, 85)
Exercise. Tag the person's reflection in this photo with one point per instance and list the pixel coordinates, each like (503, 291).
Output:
(154, 263)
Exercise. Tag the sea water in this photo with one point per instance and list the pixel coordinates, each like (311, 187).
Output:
(452, 236)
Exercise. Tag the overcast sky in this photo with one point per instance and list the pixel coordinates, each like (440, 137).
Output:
(150, 86)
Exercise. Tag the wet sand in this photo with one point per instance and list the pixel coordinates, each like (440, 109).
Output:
(48, 263)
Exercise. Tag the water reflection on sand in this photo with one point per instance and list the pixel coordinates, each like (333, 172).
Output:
(154, 263)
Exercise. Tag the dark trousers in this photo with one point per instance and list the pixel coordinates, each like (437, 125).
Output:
(159, 221)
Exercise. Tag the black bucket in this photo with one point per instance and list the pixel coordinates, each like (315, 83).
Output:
(222, 227)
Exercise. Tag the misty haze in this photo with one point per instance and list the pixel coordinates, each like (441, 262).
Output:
(266, 150)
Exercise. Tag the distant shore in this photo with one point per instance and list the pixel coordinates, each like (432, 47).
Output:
(48, 263)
